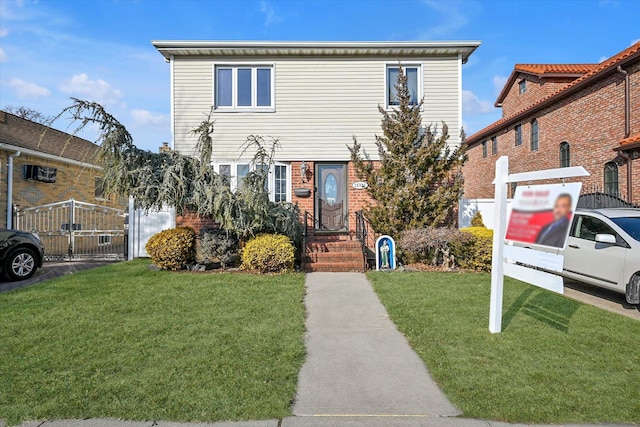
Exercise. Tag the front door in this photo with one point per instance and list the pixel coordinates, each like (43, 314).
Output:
(331, 196)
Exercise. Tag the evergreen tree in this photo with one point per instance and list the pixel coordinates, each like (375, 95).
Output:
(418, 181)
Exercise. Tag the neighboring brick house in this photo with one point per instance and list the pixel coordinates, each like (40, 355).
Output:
(314, 97)
(557, 115)
(41, 150)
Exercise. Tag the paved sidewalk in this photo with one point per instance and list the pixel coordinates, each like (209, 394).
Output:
(357, 361)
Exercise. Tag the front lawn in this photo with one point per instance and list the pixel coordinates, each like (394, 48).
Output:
(125, 342)
(556, 361)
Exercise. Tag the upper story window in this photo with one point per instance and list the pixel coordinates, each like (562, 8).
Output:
(494, 146)
(484, 148)
(413, 83)
(522, 86)
(243, 87)
(565, 155)
(518, 132)
(534, 135)
(611, 179)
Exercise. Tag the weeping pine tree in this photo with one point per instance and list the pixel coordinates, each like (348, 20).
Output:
(418, 180)
(186, 182)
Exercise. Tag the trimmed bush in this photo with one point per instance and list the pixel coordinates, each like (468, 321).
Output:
(173, 249)
(268, 253)
(438, 246)
(218, 245)
(481, 250)
(477, 221)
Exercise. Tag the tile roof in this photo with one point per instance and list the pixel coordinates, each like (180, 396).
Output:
(542, 69)
(596, 72)
(633, 139)
(24, 133)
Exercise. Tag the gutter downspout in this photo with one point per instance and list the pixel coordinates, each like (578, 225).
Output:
(627, 131)
(10, 190)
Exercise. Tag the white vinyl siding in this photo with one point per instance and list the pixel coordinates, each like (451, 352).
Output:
(319, 104)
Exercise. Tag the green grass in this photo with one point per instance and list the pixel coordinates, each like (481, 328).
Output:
(556, 361)
(125, 342)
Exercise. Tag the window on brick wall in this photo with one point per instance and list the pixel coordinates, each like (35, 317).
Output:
(611, 179)
(522, 86)
(484, 148)
(494, 146)
(512, 189)
(99, 189)
(565, 154)
(518, 132)
(534, 135)
(278, 177)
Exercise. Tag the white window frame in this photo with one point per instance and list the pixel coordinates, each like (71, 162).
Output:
(271, 179)
(234, 66)
(420, 78)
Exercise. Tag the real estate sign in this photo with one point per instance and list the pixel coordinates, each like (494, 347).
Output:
(541, 214)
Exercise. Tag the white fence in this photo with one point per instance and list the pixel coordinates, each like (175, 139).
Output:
(144, 225)
(468, 208)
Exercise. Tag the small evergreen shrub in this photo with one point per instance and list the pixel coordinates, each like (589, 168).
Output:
(218, 245)
(268, 253)
(173, 249)
(438, 246)
(476, 221)
(481, 250)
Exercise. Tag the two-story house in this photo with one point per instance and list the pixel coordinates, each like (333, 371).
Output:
(313, 97)
(559, 115)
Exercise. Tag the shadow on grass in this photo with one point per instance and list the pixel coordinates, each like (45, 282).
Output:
(550, 309)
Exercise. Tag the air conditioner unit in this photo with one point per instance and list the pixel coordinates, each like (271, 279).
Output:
(40, 173)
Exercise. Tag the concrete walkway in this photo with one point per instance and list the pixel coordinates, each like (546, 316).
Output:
(357, 361)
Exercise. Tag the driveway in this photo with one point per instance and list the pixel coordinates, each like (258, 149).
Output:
(51, 270)
(601, 298)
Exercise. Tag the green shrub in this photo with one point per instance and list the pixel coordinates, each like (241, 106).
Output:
(268, 253)
(438, 246)
(480, 251)
(476, 221)
(173, 249)
(218, 245)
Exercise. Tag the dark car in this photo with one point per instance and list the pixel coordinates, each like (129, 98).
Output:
(21, 254)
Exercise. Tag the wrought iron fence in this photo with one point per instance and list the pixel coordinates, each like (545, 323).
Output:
(76, 230)
(595, 197)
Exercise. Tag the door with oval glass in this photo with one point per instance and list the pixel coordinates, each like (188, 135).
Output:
(331, 196)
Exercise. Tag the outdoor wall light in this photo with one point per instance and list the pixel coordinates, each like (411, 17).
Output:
(303, 171)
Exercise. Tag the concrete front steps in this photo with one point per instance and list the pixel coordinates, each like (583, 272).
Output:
(333, 256)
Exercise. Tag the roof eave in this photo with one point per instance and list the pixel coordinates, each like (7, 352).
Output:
(256, 48)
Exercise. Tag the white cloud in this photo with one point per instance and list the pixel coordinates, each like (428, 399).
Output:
(28, 90)
(498, 83)
(147, 118)
(270, 16)
(3, 55)
(603, 58)
(97, 90)
(634, 41)
(471, 104)
(450, 16)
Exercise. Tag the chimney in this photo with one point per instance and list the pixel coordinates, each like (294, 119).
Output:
(165, 148)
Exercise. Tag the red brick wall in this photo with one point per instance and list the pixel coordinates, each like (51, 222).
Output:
(190, 219)
(536, 90)
(591, 121)
(357, 199)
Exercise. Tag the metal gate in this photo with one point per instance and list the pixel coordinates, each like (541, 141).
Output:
(76, 230)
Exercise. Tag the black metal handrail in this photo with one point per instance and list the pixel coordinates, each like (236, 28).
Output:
(362, 233)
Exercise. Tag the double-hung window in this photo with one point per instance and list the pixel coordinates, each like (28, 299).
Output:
(413, 73)
(243, 87)
(534, 135)
(518, 132)
(278, 177)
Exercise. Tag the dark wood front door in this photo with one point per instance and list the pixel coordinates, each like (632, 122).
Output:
(331, 196)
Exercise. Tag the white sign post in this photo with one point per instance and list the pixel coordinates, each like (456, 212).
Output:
(499, 267)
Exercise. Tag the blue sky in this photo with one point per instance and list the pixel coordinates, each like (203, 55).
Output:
(51, 50)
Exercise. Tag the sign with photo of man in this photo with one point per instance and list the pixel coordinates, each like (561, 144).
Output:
(542, 214)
